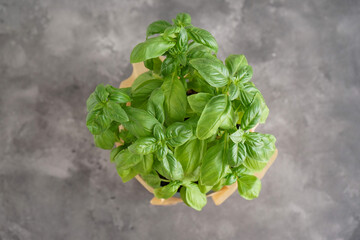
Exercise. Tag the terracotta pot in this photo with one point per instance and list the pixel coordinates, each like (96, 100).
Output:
(218, 197)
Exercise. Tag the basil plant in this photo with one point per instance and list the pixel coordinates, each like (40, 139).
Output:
(185, 122)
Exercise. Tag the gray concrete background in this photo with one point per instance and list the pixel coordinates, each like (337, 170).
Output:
(54, 184)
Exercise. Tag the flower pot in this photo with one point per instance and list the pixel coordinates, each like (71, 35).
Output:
(218, 197)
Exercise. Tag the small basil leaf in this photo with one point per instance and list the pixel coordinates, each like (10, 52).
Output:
(97, 122)
(115, 152)
(145, 165)
(161, 152)
(92, 101)
(241, 154)
(232, 154)
(254, 165)
(193, 197)
(249, 186)
(212, 70)
(157, 27)
(101, 93)
(113, 111)
(182, 40)
(117, 95)
(259, 146)
(126, 174)
(244, 73)
(151, 48)
(198, 101)
(183, 19)
(252, 115)
(178, 133)
(230, 179)
(241, 170)
(203, 37)
(171, 167)
(143, 146)
(143, 91)
(237, 136)
(158, 132)
(169, 65)
(211, 116)
(233, 91)
(167, 191)
(155, 105)
(235, 62)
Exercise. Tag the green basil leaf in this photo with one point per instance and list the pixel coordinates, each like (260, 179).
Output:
(156, 105)
(169, 65)
(101, 93)
(252, 115)
(198, 101)
(212, 70)
(97, 122)
(151, 48)
(140, 122)
(115, 152)
(171, 167)
(161, 152)
(142, 93)
(204, 189)
(247, 93)
(178, 133)
(182, 41)
(114, 111)
(190, 155)
(237, 136)
(249, 186)
(254, 165)
(158, 132)
(126, 136)
(145, 165)
(171, 32)
(259, 146)
(196, 50)
(144, 146)
(183, 19)
(193, 197)
(153, 64)
(106, 140)
(175, 100)
(117, 95)
(126, 174)
(92, 101)
(233, 91)
(157, 27)
(152, 179)
(211, 117)
(198, 84)
(241, 170)
(203, 37)
(167, 191)
(213, 165)
(230, 179)
(126, 159)
(235, 62)
(241, 154)
(232, 154)
(229, 118)
(244, 73)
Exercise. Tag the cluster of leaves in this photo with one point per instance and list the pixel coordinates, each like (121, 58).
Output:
(188, 126)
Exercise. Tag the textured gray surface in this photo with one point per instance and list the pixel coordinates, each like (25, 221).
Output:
(54, 184)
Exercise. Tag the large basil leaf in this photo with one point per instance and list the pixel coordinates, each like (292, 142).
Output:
(254, 165)
(198, 101)
(252, 115)
(167, 191)
(92, 101)
(213, 165)
(190, 155)
(126, 159)
(197, 50)
(115, 152)
(212, 70)
(198, 84)
(203, 37)
(175, 100)
(178, 133)
(171, 167)
(235, 62)
(169, 65)
(151, 48)
(182, 40)
(193, 197)
(244, 74)
(144, 146)
(159, 133)
(114, 111)
(259, 146)
(157, 27)
(229, 118)
(211, 117)
(140, 122)
(232, 154)
(249, 186)
(156, 105)
(152, 178)
(237, 136)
